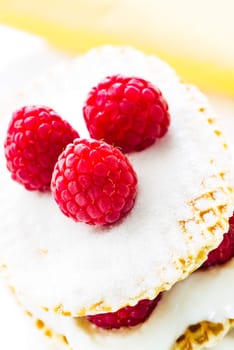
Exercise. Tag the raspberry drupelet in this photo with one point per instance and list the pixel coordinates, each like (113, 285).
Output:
(36, 136)
(127, 112)
(94, 182)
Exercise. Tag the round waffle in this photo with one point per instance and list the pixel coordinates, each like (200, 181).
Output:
(185, 198)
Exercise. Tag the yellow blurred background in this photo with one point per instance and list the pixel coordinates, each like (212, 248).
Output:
(194, 36)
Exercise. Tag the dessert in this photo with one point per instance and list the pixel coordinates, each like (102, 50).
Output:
(65, 272)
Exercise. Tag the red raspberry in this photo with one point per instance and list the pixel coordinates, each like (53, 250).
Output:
(225, 250)
(94, 182)
(128, 316)
(126, 112)
(36, 136)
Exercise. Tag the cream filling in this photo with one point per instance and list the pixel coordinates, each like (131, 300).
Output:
(205, 295)
(227, 343)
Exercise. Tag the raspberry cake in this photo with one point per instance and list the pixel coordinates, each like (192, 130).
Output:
(81, 271)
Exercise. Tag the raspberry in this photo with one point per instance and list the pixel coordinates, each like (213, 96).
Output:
(93, 182)
(36, 136)
(128, 316)
(127, 112)
(225, 250)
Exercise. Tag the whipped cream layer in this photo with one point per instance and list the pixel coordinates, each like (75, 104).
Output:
(181, 212)
(227, 343)
(205, 295)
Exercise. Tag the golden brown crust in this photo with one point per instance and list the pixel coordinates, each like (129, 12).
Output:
(202, 334)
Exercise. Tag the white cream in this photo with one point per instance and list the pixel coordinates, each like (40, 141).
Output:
(227, 343)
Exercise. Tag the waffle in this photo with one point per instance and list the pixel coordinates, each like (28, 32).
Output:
(203, 335)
